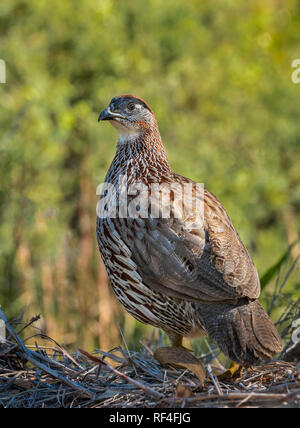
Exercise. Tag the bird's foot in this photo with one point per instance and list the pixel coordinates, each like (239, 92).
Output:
(235, 371)
(179, 356)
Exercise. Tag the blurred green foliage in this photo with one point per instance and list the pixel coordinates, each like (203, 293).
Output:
(218, 77)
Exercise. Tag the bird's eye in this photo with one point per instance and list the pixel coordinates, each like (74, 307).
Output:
(131, 106)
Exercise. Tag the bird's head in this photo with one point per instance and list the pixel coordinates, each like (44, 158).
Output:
(130, 115)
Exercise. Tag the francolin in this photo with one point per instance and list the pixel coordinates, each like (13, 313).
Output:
(188, 274)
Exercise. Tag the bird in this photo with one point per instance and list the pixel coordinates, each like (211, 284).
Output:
(186, 272)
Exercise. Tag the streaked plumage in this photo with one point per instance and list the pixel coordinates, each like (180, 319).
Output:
(181, 275)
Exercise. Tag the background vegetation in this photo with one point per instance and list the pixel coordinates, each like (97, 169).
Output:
(218, 76)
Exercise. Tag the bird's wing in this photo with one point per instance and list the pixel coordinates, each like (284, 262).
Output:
(193, 258)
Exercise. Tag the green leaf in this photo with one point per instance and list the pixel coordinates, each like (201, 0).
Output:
(272, 271)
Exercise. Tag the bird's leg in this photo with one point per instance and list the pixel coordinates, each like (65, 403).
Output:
(176, 339)
(234, 371)
(178, 355)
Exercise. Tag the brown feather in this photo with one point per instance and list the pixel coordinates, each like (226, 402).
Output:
(186, 276)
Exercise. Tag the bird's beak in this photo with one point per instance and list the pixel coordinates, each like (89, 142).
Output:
(107, 114)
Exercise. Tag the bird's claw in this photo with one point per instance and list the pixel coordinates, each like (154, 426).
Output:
(235, 371)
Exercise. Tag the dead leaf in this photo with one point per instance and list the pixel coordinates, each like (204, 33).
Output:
(183, 391)
(179, 356)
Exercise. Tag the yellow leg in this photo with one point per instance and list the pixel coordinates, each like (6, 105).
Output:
(235, 371)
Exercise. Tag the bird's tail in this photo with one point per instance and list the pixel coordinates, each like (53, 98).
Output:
(244, 332)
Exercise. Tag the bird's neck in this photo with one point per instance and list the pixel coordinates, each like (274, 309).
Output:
(140, 156)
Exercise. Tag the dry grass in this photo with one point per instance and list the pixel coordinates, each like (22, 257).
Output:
(48, 376)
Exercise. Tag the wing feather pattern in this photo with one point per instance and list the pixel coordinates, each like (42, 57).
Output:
(192, 258)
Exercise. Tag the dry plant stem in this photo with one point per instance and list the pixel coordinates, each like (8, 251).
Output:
(31, 356)
(53, 379)
(147, 389)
